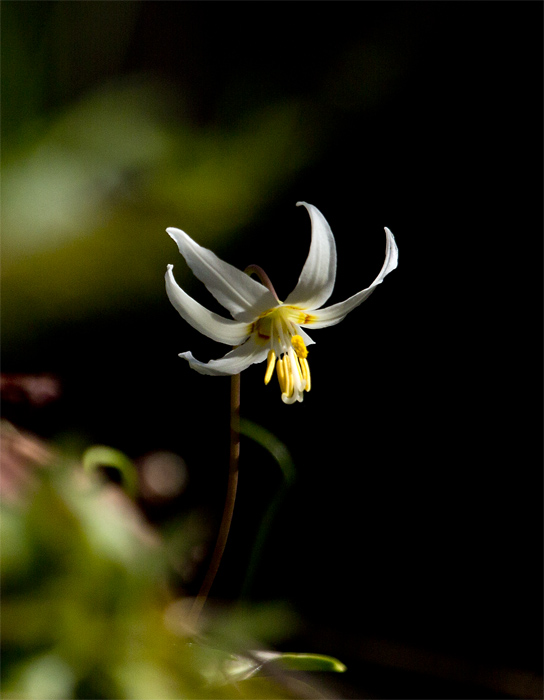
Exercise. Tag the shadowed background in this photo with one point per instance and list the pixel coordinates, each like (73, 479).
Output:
(415, 520)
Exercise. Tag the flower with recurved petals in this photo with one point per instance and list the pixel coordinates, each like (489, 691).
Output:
(265, 328)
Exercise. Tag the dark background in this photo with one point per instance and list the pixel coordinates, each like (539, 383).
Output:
(416, 518)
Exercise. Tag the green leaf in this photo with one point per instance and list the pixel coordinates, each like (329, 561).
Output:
(281, 454)
(220, 667)
(103, 456)
(306, 662)
(270, 442)
(259, 663)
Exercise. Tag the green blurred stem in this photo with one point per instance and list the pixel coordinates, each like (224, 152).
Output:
(281, 454)
(230, 499)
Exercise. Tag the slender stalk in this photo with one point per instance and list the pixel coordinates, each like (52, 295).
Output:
(230, 498)
(279, 451)
(263, 277)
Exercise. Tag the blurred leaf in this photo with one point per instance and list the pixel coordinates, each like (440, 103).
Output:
(47, 677)
(85, 607)
(301, 661)
(64, 185)
(222, 666)
(88, 197)
(281, 454)
(16, 546)
(272, 444)
(101, 456)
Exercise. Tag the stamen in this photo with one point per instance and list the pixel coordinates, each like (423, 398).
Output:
(288, 373)
(287, 351)
(306, 373)
(270, 366)
(299, 346)
(296, 361)
(281, 375)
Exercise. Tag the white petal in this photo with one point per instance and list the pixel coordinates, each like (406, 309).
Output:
(243, 296)
(223, 330)
(316, 280)
(233, 362)
(331, 315)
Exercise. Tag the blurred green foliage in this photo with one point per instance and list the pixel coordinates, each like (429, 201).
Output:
(87, 201)
(96, 165)
(83, 592)
(88, 608)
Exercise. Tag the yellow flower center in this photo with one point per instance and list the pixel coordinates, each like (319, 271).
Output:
(279, 327)
(270, 322)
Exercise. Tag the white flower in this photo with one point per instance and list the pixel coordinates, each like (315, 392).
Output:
(264, 327)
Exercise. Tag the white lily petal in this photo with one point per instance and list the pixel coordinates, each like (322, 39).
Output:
(243, 296)
(233, 362)
(210, 324)
(331, 315)
(318, 275)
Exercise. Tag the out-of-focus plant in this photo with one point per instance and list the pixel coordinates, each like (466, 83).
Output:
(88, 610)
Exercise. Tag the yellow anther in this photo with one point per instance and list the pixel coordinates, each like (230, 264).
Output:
(281, 375)
(299, 346)
(288, 374)
(305, 367)
(292, 369)
(270, 366)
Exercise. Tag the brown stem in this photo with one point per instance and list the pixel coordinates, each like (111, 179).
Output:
(229, 501)
(263, 277)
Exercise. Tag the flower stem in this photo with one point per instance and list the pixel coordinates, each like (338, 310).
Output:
(230, 498)
(263, 277)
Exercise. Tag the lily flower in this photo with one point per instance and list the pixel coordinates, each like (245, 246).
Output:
(263, 327)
